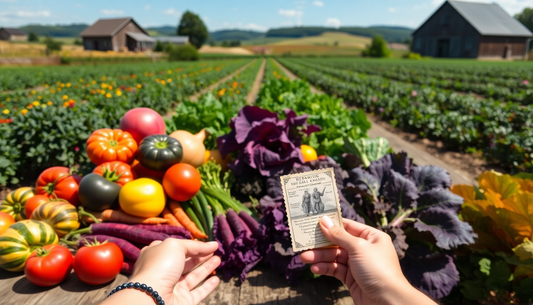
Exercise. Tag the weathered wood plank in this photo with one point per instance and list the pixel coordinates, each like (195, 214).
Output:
(264, 286)
(227, 293)
(95, 294)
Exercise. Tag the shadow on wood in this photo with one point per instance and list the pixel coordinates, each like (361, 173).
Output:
(23, 286)
(9, 275)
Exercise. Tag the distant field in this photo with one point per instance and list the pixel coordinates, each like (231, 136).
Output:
(262, 41)
(328, 39)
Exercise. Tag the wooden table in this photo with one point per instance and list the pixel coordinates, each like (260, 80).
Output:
(263, 286)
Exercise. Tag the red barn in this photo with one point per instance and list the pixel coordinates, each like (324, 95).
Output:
(461, 29)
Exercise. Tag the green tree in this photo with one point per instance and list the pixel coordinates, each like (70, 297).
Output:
(78, 42)
(192, 26)
(32, 37)
(158, 46)
(526, 17)
(186, 52)
(378, 48)
(52, 45)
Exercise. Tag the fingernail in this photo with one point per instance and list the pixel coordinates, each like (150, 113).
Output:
(327, 222)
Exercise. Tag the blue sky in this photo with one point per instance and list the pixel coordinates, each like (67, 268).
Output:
(243, 14)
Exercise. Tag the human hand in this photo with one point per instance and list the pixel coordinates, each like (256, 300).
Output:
(366, 262)
(169, 267)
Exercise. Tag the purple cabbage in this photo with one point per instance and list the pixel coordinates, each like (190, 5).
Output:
(237, 247)
(414, 205)
(264, 142)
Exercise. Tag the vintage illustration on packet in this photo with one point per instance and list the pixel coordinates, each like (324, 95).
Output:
(308, 197)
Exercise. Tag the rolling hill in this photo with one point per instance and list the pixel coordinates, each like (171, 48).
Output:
(329, 39)
(391, 34)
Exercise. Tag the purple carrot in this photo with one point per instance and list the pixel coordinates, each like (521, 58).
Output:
(237, 224)
(252, 224)
(167, 229)
(225, 231)
(127, 267)
(124, 231)
(129, 250)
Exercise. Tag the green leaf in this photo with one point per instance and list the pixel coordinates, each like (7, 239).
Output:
(484, 266)
(368, 150)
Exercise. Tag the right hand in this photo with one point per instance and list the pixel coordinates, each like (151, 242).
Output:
(366, 262)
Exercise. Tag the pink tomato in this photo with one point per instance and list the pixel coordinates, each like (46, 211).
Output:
(142, 122)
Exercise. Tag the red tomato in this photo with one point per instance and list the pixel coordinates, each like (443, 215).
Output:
(182, 181)
(116, 171)
(106, 145)
(143, 172)
(99, 263)
(49, 265)
(58, 182)
(33, 203)
(142, 122)
(5, 221)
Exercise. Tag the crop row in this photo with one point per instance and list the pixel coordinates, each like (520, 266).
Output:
(507, 89)
(55, 134)
(503, 133)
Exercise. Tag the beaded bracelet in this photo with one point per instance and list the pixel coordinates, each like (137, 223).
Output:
(142, 287)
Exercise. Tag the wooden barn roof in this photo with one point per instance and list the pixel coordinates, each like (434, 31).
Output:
(108, 27)
(11, 31)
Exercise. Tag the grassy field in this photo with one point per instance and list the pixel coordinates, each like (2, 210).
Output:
(328, 39)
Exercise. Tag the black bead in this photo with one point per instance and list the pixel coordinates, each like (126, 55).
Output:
(155, 294)
(143, 287)
(158, 298)
(161, 302)
(124, 286)
(119, 288)
(149, 289)
(130, 284)
(137, 285)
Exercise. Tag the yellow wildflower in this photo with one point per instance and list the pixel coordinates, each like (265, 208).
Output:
(103, 86)
(65, 97)
(62, 85)
(24, 111)
(33, 92)
(6, 111)
(118, 93)
(8, 99)
(163, 82)
(36, 103)
(104, 78)
(52, 91)
(93, 82)
(169, 80)
(103, 92)
(30, 106)
(110, 87)
(221, 92)
(39, 97)
(139, 86)
(43, 105)
(58, 89)
(50, 103)
(81, 80)
(68, 85)
(46, 85)
(108, 95)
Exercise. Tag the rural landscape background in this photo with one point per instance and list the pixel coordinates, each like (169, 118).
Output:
(423, 108)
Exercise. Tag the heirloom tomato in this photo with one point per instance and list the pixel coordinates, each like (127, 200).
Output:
(106, 145)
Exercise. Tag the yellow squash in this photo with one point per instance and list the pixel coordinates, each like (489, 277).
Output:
(61, 215)
(16, 201)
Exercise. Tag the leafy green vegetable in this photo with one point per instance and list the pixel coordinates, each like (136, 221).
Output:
(367, 150)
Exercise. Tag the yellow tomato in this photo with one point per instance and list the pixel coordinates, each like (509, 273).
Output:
(143, 197)
(309, 153)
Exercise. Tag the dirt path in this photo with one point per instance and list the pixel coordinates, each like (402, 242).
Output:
(252, 95)
(194, 97)
(293, 76)
(460, 166)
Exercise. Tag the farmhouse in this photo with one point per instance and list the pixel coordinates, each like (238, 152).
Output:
(116, 35)
(471, 30)
(13, 34)
(175, 40)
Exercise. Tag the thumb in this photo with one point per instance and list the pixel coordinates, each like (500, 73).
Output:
(338, 235)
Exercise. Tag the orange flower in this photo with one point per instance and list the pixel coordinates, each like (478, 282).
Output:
(24, 111)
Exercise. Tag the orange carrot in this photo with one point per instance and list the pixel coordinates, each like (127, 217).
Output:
(172, 220)
(118, 216)
(182, 217)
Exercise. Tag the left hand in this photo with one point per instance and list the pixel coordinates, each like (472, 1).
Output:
(166, 267)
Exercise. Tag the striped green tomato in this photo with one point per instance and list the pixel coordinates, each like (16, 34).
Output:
(21, 239)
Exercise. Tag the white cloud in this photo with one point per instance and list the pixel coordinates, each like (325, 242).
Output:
(290, 13)
(112, 12)
(256, 27)
(436, 2)
(334, 22)
(318, 3)
(26, 14)
(171, 11)
(392, 9)
(147, 7)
